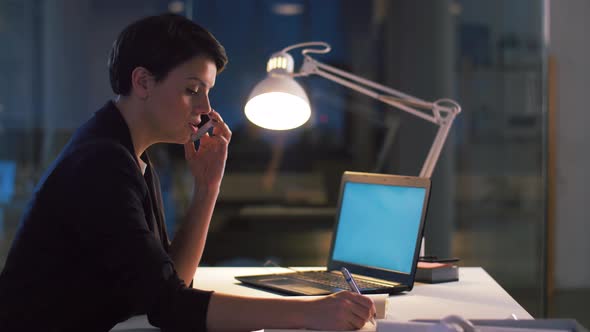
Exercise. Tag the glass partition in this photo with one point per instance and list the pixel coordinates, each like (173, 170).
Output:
(500, 197)
(279, 194)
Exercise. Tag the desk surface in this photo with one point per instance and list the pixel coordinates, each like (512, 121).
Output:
(475, 295)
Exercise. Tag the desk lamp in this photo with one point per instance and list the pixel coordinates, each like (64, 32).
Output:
(280, 103)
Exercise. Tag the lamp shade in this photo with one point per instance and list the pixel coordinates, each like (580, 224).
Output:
(279, 103)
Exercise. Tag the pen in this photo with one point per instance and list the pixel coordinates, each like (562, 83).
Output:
(353, 286)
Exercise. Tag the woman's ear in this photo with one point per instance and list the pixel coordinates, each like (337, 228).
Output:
(141, 83)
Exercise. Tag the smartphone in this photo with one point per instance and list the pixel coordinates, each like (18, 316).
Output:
(434, 259)
(203, 129)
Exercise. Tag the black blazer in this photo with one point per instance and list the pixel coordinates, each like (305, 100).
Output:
(91, 249)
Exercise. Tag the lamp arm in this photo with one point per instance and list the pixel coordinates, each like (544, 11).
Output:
(442, 115)
(437, 145)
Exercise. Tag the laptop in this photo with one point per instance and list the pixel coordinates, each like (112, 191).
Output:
(376, 236)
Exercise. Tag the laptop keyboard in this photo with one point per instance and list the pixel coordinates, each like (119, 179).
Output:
(334, 280)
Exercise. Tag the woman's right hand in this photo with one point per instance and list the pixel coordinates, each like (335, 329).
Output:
(340, 311)
(207, 165)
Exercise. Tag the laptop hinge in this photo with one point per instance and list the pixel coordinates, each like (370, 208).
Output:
(371, 279)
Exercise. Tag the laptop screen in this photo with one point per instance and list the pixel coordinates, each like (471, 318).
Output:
(378, 225)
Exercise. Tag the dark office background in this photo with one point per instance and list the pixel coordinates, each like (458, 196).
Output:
(490, 188)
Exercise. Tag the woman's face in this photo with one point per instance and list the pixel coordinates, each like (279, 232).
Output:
(177, 102)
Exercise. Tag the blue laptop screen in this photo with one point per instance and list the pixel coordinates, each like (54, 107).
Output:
(378, 225)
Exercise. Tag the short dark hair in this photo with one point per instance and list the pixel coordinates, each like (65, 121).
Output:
(159, 44)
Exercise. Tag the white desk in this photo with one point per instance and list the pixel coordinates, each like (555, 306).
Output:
(475, 295)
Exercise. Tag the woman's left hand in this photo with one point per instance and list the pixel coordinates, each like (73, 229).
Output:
(208, 163)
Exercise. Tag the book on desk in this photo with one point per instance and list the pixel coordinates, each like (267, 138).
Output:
(434, 272)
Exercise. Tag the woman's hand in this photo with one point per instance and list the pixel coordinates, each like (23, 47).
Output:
(208, 163)
(341, 311)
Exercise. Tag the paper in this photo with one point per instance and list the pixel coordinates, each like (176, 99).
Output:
(391, 326)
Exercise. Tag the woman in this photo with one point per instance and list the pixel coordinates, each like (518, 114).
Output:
(92, 249)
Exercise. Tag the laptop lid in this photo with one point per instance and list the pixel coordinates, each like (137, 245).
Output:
(379, 226)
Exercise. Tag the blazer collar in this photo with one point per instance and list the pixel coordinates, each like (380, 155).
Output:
(118, 128)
